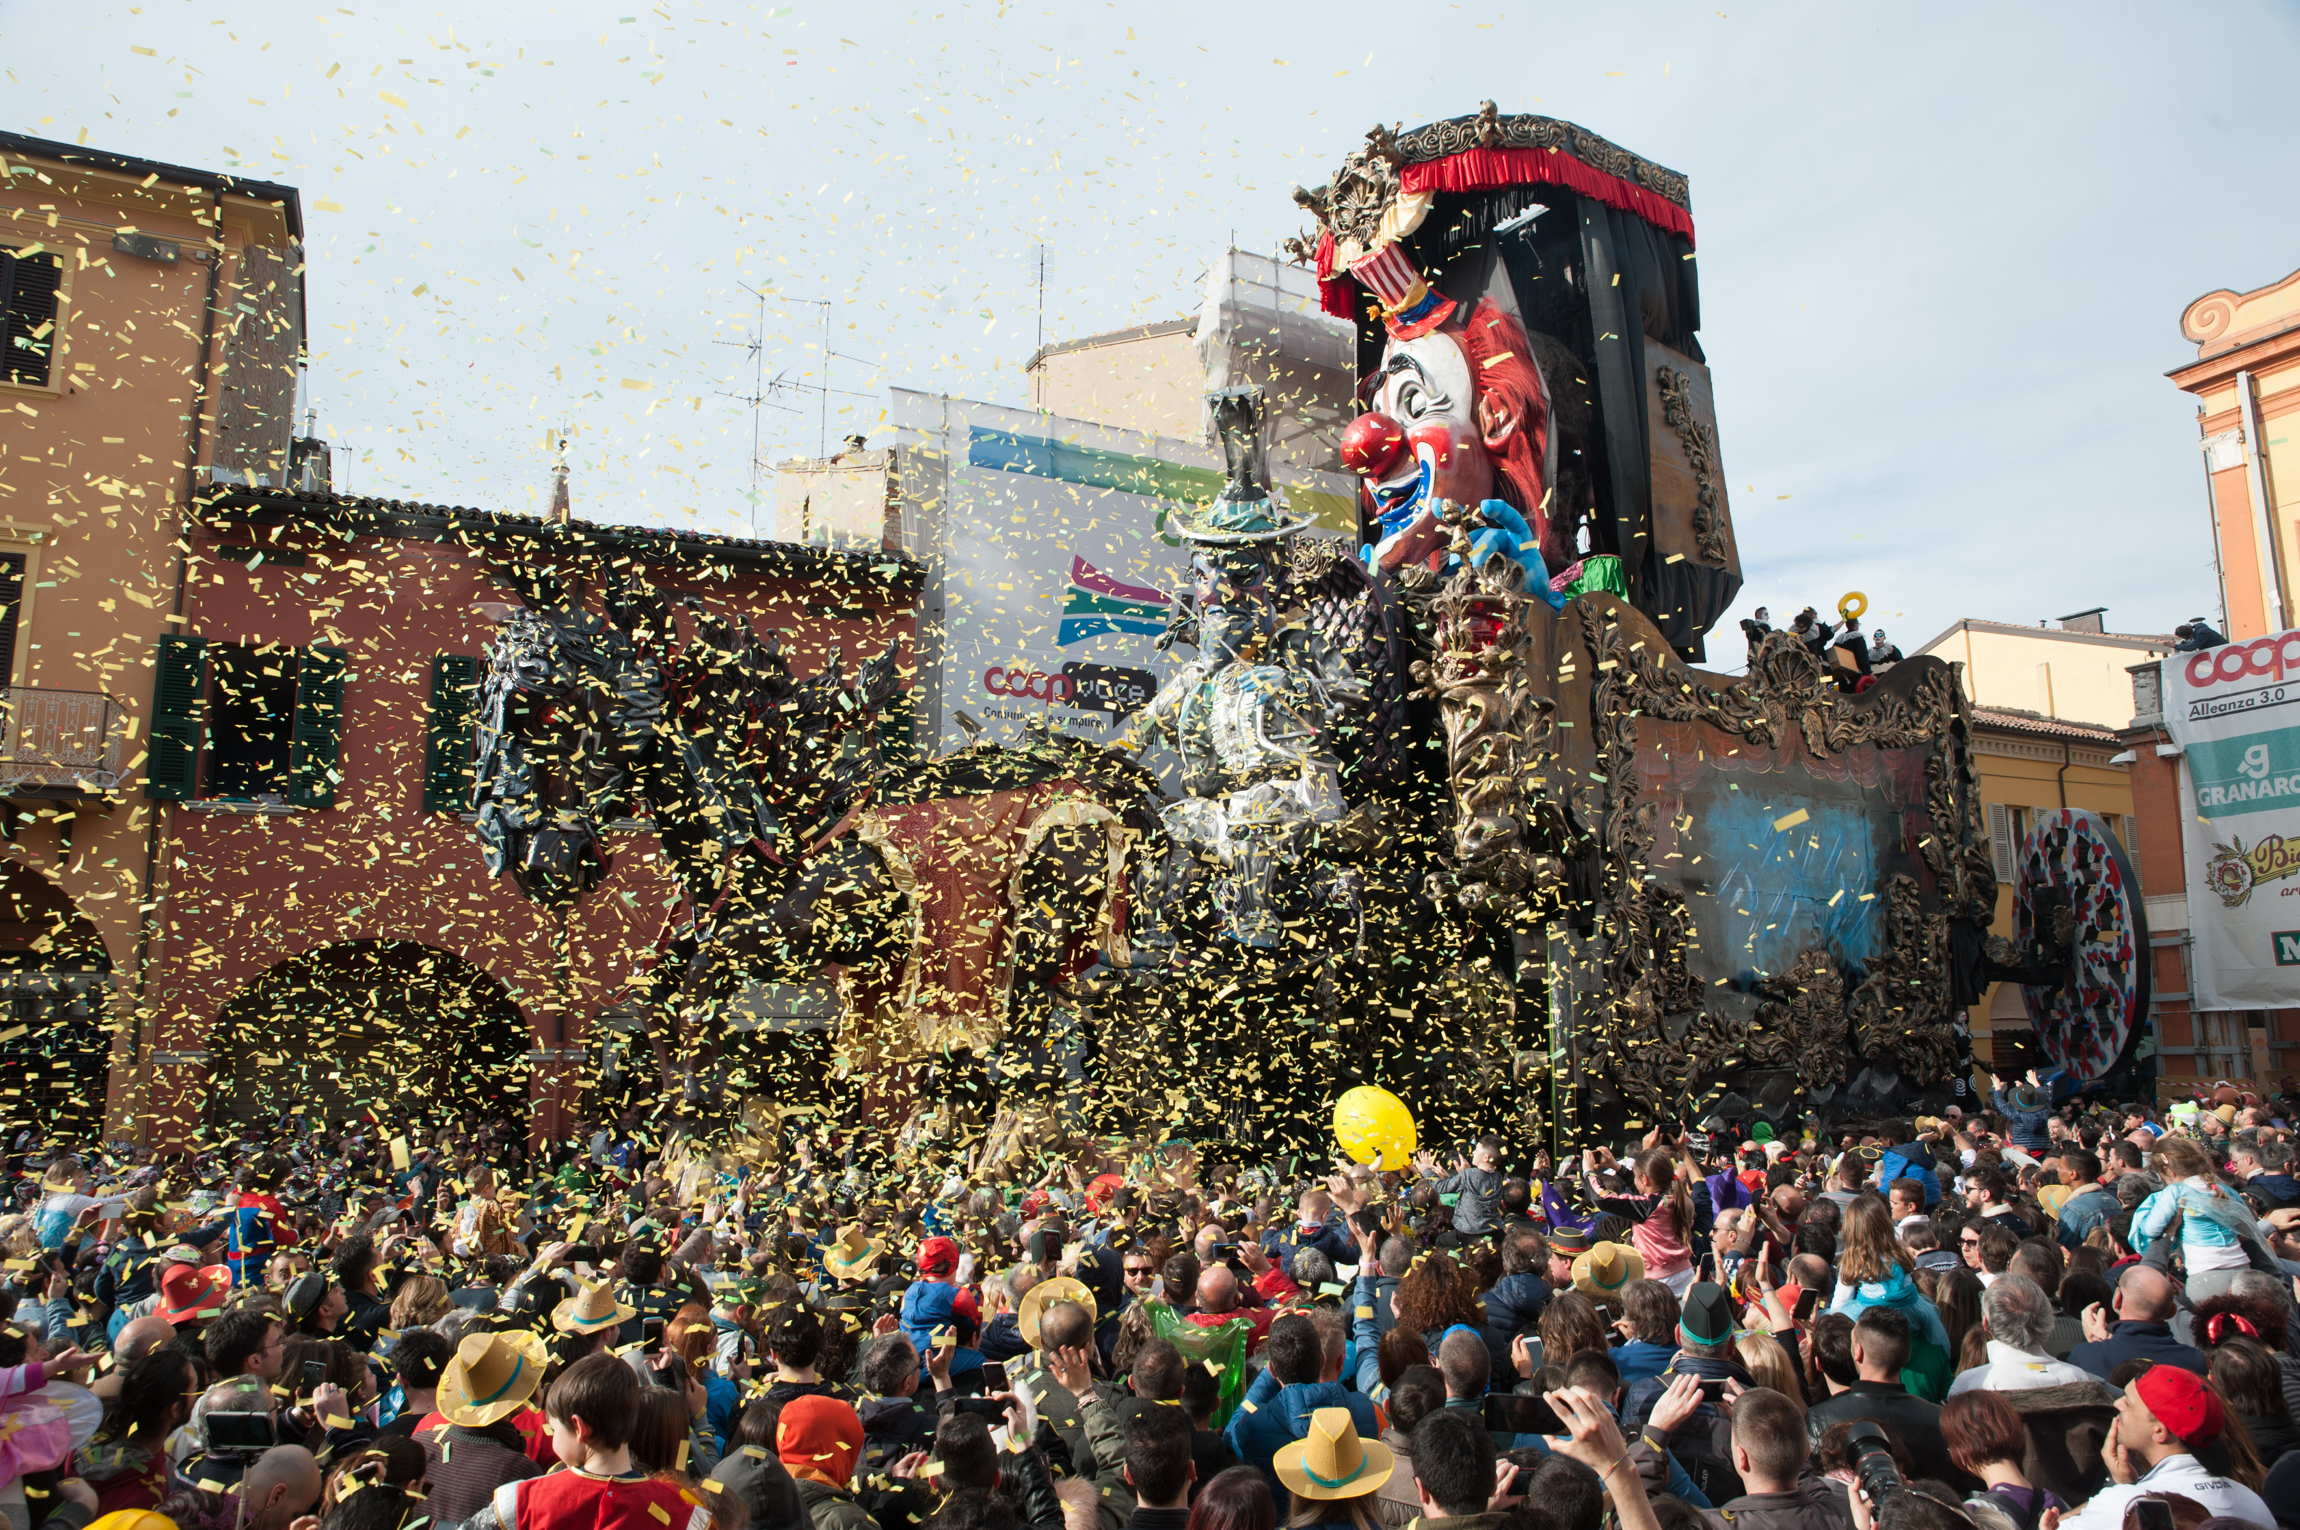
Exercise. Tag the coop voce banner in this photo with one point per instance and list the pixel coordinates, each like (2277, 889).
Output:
(2235, 713)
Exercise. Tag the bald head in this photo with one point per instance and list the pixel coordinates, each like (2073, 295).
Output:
(2144, 1295)
(280, 1487)
(140, 1338)
(1217, 1290)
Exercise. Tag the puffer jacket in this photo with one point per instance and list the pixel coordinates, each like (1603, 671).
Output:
(1514, 1304)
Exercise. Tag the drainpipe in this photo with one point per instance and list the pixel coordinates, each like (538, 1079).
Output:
(195, 440)
(2256, 479)
(2067, 757)
(2212, 518)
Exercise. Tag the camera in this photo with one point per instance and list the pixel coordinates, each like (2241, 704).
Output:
(1873, 1458)
(237, 1434)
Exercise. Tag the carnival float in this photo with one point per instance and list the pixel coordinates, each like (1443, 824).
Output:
(1458, 812)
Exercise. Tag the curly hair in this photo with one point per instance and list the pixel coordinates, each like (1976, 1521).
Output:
(1435, 1295)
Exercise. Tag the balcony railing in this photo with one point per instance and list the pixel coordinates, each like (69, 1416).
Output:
(67, 739)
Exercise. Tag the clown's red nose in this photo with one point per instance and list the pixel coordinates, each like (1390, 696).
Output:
(1371, 444)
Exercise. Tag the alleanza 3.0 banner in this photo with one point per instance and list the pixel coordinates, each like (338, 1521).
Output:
(2235, 713)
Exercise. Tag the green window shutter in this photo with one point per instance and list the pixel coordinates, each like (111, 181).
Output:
(447, 760)
(318, 741)
(897, 722)
(179, 682)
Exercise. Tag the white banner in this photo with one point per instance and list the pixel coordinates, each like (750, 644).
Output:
(1049, 565)
(2235, 713)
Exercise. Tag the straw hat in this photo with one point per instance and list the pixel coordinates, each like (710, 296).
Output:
(853, 1256)
(1604, 1270)
(590, 1310)
(491, 1378)
(1062, 1288)
(1331, 1461)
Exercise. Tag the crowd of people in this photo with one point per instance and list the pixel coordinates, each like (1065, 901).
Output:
(2036, 1317)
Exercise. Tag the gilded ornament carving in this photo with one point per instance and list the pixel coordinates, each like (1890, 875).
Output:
(1352, 204)
(1501, 737)
(1801, 1024)
(1699, 441)
(1900, 1010)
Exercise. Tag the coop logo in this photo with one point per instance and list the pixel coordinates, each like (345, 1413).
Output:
(1027, 684)
(1100, 605)
(2268, 658)
(1111, 688)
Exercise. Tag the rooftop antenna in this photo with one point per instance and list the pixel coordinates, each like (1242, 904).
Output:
(755, 347)
(1042, 295)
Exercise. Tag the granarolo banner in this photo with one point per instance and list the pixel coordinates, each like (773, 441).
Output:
(2235, 713)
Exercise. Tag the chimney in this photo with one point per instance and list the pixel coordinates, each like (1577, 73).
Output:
(561, 511)
(2084, 621)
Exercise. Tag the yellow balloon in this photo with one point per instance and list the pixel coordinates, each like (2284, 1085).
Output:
(1374, 1128)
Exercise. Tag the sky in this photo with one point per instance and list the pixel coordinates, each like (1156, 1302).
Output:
(1943, 249)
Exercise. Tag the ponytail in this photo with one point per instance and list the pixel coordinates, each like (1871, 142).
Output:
(1658, 1167)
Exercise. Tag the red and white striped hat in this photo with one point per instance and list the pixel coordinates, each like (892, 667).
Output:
(1409, 307)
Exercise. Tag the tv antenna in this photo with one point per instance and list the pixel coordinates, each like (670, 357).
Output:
(761, 395)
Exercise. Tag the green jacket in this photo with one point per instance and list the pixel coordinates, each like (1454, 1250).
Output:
(833, 1508)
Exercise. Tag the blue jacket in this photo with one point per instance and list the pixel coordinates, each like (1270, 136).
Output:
(1514, 1304)
(1898, 1164)
(1639, 1361)
(2085, 1210)
(1272, 1416)
(2136, 1341)
(1002, 1338)
(1333, 1240)
(2027, 1126)
(926, 1306)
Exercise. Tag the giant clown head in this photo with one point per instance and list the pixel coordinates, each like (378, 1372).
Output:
(1458, 411)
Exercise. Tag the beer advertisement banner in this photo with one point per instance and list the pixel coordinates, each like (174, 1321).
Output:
(2235, 713)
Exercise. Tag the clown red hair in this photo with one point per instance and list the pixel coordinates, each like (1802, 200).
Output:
(1501, 365)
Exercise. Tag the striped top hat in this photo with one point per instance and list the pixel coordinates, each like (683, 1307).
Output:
(1409, 307)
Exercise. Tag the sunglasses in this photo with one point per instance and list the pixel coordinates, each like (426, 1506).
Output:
(1133, 1270)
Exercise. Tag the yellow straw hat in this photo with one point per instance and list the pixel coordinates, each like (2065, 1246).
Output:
(1062, 1288)
(491, 1377)
(1331, 1461)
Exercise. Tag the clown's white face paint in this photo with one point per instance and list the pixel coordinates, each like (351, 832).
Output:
(1426, 388)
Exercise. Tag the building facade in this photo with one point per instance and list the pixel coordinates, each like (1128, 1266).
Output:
(325, 922)
(153, 320)
(2246, 382)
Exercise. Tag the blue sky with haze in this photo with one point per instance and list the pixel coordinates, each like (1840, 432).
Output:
(1944, 248)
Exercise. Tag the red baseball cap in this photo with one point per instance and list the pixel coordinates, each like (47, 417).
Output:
(937, 1256)
(2182, 1403)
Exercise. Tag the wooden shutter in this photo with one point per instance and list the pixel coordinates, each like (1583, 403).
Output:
(11, 602)
(447, 760)
(179, 687)
(897, 725)
(318, 741)
(2002, 851)
(28, 286)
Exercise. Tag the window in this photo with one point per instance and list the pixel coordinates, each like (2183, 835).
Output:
(236, 722)
(28, 285)
(251, 721)
(2008, 829)
(11, 603)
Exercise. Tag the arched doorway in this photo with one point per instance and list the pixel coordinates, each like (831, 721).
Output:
(54, 1043)
(404, 1030)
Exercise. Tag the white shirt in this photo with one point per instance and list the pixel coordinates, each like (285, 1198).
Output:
(2182, 1474)
(2017, 1370)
